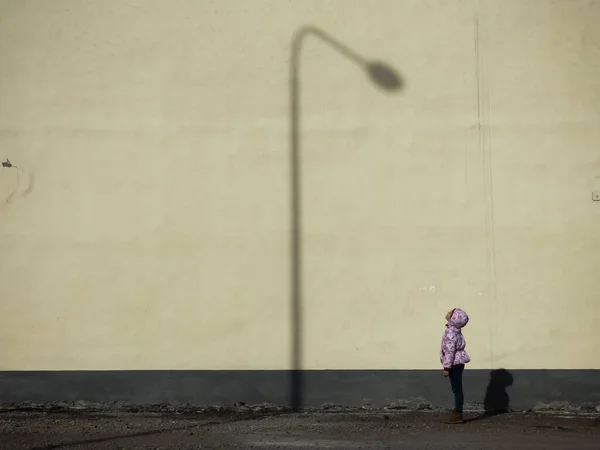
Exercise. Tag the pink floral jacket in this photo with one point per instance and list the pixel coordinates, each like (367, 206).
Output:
(453, 343)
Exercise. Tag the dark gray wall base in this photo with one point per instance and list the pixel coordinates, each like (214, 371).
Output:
(525, 388)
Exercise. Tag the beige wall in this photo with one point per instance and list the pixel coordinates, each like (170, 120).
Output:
(147, 223)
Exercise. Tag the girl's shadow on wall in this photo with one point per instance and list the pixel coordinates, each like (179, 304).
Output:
(496, 399)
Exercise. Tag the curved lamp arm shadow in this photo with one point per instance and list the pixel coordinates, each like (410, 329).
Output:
(381, 74)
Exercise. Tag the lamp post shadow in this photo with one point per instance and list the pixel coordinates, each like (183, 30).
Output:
(382, 76)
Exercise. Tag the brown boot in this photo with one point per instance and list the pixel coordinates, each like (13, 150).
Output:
(455, 418)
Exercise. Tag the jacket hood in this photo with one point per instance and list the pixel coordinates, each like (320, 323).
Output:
(458, 319)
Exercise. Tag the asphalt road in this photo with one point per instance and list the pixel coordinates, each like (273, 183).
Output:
(409, 430)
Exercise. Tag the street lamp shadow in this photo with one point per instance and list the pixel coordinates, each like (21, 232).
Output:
(384, 77)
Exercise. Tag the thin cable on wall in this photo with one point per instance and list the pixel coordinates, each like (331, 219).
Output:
(6, 168)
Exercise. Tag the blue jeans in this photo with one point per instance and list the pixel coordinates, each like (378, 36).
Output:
(456, 373)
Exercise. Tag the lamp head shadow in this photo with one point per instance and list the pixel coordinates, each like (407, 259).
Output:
(384, 76)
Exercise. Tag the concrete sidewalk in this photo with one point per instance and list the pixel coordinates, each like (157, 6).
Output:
(47, 430)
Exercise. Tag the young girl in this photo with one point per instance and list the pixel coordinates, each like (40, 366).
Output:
(454, 357)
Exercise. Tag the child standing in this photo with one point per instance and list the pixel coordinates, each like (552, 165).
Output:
(453, 358)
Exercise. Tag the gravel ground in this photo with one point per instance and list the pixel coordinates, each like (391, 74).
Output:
(374, 430)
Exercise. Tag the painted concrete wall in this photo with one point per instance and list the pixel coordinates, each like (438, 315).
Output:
(146, 225)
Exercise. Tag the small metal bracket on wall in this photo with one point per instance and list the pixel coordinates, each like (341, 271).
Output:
(7, 163)
(596, 196)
